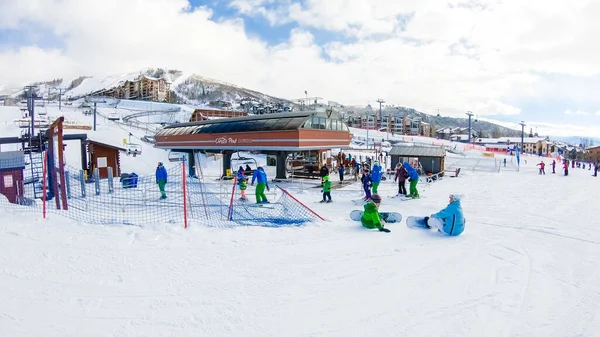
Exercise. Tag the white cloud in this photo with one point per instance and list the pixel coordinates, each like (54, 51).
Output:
(457, 55)
(577, 113)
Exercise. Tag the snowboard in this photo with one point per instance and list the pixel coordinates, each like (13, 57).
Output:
(416, 222)
(389, 217)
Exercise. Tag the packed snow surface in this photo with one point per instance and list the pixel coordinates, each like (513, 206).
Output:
(526, 265)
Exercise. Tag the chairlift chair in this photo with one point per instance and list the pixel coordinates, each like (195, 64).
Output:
(114, 116)
(244, 162)
(133, 149)
(176, 156)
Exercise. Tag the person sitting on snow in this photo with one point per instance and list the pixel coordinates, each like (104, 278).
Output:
(450, 220)
(370, 218)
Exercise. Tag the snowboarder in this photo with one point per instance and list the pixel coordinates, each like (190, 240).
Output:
(341, 172)
(324, 172)
(566, 167)
(161, 179)
(596, 166)
(243, 186)
(326, 189)
(401, 176)
(504, 162)
(261, 177)
(450, 220)
(414, 179)
(370, 218)
(553, 166)
(376, 176)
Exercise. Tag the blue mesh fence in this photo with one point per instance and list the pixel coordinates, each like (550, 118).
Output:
(129, 199)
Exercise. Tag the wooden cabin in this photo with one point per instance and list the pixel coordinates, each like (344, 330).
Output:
(103, 156)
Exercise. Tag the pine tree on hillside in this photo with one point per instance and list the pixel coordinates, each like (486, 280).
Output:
(531, 132)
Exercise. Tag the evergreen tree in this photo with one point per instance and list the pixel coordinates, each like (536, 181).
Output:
(531, 132)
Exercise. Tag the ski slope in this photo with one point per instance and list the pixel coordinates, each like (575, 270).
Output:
(525, 266)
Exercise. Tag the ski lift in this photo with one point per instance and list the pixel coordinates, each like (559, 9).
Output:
(132, 148)
(176, 156)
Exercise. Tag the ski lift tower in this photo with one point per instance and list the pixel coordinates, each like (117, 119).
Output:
(95, 100)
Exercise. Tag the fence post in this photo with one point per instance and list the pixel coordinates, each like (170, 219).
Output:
(82, 182)
(97, 180)
(183, 175)
(68, 183)
(111, 186)
(45, 182)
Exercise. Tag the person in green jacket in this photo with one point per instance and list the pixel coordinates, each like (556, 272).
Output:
(243, 186)
(370, 218)
(326, 189)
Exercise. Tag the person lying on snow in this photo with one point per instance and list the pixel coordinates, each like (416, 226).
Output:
(370, 218)
(450, 220)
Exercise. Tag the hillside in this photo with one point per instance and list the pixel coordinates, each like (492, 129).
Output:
(196, 90)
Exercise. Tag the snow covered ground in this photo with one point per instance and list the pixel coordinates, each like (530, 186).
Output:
(525, 266)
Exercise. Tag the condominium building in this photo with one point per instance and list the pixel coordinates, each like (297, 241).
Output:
(142, 88)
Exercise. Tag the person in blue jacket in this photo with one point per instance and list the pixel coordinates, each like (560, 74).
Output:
(414, 179)
(161, 179)
(450, 220)
(375, 177)
(261, 178)
(240, 175)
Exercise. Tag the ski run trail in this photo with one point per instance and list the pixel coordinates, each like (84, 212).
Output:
(526, 265)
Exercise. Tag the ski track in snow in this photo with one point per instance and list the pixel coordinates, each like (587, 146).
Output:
(525, 266)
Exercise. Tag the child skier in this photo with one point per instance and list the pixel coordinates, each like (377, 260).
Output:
(450, 220)
(370, 218)
(326, 190)
(243, 186)
(366, 181)
(401, 176)
(542, 165)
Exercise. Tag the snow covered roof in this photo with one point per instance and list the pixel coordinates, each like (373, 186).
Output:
(12, 160)
(417, 151)
(526, 140)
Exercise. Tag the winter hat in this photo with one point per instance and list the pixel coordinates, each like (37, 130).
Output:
(326, 178)
(376, 198)
(456, 197)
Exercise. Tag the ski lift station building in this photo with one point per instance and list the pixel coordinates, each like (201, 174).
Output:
(276, 134)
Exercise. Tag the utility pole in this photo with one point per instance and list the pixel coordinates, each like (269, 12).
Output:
(522, 134)
(60, 92)
(380, 101)
(470, 114)
(31, 108)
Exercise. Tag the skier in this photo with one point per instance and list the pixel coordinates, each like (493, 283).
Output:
(161, 179)
(240, 175)
(414, 179)
(326, 190)
(243, 186)
(401, 176)
(376, 176)
(504, 162)
(566, 167)
(261, 177)
(450, 220)
(553, 166)
(370, 218)
(366, 181)
(341, 172)
(324, 172)
(542, 165)
(596, 166)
